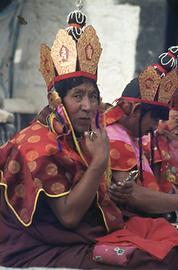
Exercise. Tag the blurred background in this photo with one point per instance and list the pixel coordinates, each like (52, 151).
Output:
(132, 34)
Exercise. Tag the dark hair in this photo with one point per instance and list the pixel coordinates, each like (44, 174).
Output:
(62, 87)
(157, 111)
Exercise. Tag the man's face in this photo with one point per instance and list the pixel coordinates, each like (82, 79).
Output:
(81, 103)
(147, 124)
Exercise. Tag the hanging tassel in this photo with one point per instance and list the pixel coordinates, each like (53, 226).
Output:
(97, 120)
(152, 144)
(140, 147)
(49, 121)
(59, 146)
(60, 119)
(58, 116)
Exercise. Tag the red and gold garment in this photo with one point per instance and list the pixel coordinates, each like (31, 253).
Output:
(124, 151)
(30, 164)
(165, 155)
(169, 166)
(124, 154)
(38, 160)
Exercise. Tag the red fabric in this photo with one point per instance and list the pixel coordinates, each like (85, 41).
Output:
(113, 115)
(112, 254)
(72, 75)
(122, 156)
(161, 156)
(160, 68)
(48, 244)
(32, 163)
(147, 149)
(172, 55)
(169, 166)
(139, 100)
(155, 236)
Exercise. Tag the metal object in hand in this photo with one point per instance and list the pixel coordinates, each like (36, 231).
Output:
(92, 135)
(132, 176)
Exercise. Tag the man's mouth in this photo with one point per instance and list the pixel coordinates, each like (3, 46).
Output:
(84, 120)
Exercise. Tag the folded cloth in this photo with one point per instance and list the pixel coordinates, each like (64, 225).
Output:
(155, 236)
(113, 254)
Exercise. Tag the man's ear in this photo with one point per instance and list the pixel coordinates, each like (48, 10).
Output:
(135, 108)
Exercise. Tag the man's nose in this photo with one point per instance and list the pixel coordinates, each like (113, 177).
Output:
(86, 104)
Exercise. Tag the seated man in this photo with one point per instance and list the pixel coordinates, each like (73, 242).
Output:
(142, 108)
(136, 113)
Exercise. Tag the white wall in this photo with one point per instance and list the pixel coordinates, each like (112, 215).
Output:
(117, 28)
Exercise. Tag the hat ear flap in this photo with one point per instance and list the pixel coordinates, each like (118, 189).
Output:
(135, 107)
(54, 99)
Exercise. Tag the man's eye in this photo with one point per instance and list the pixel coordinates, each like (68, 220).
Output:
(94, 97)
(78, 97)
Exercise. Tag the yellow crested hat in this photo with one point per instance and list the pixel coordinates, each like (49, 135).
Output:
(74, 53)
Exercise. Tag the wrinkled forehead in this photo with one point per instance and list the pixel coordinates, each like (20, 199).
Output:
(84, 87)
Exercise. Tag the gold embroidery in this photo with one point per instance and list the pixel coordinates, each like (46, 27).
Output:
(20, 138)
(13, 167)
(128, 147)
(89, 50)
(34, 139)
(23, 130)
(153, 186)
(149, 82)
(57, 188)
(51, 169)
(32, 155)
(50, 149)
(64, 53)
(32, 165)
(168, 86)
(46, 64)
(36, 127)
(37, 183)
(114, 153)
(20, 190)
(131, 161)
